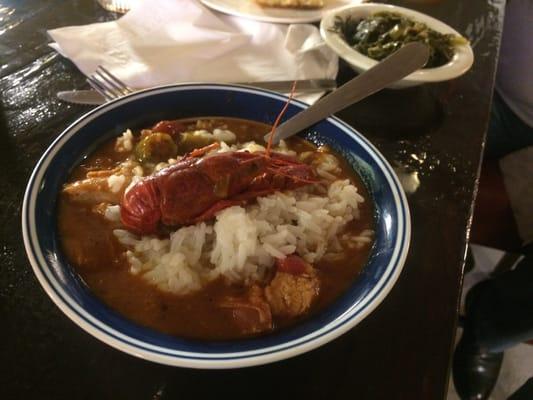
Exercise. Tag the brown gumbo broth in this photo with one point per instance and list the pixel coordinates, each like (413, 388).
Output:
(93, 250)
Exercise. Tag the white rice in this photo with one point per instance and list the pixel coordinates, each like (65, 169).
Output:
(224, 135)
(112, 213)
(243, 242)
(124, 143)
(115, 182)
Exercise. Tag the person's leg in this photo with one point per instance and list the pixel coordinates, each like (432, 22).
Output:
(525, 392)
(499, 314)
(506, 132)
(499, 311)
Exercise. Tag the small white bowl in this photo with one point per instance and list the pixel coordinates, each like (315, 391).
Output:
(457, 66)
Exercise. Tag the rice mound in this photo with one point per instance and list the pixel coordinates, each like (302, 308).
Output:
(243, 242)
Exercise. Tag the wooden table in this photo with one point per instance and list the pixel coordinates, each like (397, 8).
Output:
(401, 351)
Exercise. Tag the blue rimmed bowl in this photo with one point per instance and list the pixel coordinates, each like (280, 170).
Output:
(74, 298)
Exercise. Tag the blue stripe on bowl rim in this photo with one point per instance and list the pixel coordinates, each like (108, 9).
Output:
(123, 342)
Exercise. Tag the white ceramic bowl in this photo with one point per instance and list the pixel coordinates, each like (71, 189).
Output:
(458, 65)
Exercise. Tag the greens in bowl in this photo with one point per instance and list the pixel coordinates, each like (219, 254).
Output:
(363, 34)
(382, 33)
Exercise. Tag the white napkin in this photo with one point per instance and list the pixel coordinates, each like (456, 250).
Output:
(173, 41)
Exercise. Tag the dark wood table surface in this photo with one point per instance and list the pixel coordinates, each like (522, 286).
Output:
(401, 351)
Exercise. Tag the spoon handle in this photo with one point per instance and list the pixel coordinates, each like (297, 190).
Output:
(401, 63)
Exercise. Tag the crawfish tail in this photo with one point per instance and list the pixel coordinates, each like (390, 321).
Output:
(140, 211)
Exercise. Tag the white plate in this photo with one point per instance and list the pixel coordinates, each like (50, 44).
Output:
(249, 9)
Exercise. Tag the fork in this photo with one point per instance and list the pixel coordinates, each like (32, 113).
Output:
(111, 87)
(107, 84)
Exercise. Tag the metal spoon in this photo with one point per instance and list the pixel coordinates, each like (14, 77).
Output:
(398, 65)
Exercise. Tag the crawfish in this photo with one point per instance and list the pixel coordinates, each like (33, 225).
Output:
(196, 188)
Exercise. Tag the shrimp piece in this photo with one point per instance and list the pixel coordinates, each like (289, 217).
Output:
(91, 191)
(294, 287)
(251, 313)
(103, 186)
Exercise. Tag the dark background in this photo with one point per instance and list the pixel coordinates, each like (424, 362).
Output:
(401, 351)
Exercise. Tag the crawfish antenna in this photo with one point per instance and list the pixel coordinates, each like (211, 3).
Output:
(203, 150)
(278, 119)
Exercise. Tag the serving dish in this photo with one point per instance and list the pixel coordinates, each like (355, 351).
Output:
(457, 66)
(72, 296)
(251, 10)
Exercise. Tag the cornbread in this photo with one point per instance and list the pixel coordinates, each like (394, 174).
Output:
(291, 3)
